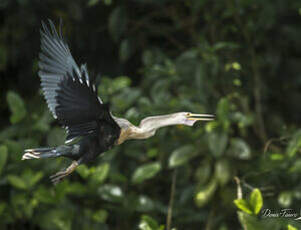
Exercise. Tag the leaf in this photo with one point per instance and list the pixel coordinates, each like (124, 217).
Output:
(256, 200)
(290, 227)
(145, 204)
(92, 2)
(111, 193)
(120, 83)
(100, 216)
(218, 143)
(296, 167)
(223, 111)
(17, 182)
(251, 222)
(101, 172)
(44, 195)
(76, 188)
(35, 179)
(285, 199)
(83, 171)
(222, 172)
(145, 172)
(181, 155)
(243, 205)
(3, 157)
(16, 106)
(203, 196)
(294, 144)
(148, 223)
(239, 149)
(117, 22)
(203, 172)
(125, 50)
(2, 207)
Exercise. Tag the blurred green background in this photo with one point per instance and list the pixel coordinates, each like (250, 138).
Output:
(238, 59)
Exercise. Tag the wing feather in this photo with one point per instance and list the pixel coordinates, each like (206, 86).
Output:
(66, 87)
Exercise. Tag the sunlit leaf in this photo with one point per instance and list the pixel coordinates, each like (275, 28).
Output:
(83, 171)
(291, 227)
(111, 193)
(256, 201)
(239, 149)
(222, 171)
(145, 204)
(181, 155)
(145, 172)
(285, 199)
(294, 145)
(223, 111)
(120, 83)
(100, 216)
(101, 172)
(148, 223)
(250, 222)
(204, 195)
(243, 205)
(218, 143)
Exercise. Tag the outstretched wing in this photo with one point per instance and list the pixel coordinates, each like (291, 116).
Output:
(70, 96)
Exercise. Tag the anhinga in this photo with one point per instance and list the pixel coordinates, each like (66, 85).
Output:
(72, 99)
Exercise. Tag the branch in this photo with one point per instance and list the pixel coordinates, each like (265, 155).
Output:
(171, 200)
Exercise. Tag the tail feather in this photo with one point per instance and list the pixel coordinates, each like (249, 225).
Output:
(39, 153)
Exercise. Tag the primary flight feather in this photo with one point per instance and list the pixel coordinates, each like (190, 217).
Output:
(73, 101)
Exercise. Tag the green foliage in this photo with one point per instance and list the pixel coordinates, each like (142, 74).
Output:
(145, 172)
(256, 201)
(148, 223)
(16, 106)
(3, 157)
(237, 59)
(290, 227)
(251, 206)
(181, 156)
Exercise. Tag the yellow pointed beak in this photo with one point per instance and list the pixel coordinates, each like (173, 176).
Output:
(200, 117)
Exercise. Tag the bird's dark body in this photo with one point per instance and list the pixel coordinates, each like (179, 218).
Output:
(88, 147)
(91, 146)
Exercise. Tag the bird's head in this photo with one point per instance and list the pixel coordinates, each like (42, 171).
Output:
(188, 118)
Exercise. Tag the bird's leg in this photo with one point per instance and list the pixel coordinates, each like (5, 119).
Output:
(56, 178)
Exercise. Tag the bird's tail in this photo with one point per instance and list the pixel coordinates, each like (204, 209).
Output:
(41, 153)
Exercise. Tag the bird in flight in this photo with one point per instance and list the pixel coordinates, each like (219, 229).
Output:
(72, 99)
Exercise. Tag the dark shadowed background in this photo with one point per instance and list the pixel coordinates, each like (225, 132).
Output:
(238, 59)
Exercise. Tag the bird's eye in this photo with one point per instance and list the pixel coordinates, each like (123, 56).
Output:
(188, 114)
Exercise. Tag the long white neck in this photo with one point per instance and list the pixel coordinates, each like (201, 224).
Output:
(147, 126)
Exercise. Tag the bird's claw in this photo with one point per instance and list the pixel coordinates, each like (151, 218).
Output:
(56, 178)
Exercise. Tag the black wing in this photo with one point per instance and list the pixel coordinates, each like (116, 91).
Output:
(70, 96)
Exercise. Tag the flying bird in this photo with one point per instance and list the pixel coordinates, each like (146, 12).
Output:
(72, 99)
